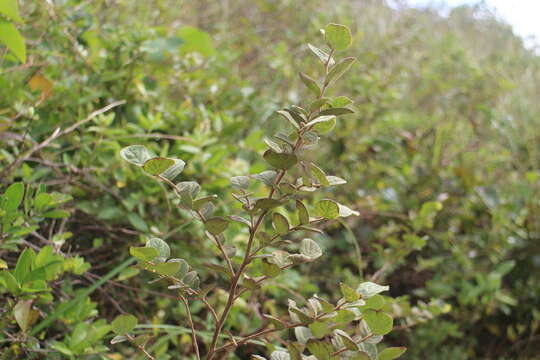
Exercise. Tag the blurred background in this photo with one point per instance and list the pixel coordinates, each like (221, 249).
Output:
(442, 157)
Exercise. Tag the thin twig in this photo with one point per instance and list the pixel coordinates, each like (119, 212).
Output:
(193, 333)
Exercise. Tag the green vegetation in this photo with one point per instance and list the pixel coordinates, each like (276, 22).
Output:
(112, 247)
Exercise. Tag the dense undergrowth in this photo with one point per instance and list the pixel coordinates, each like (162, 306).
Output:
(440, 156)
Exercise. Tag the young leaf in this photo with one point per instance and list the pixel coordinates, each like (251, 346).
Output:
(348, 293)
(144, 253)
(328, 209)
(267, 177)
(240, 182)
(310, 83)
(338, 36)
(391, 353)
(169, 268)
(280, 160)
(344, 211)
(336, 111)
(322, 55)
(303, 214)
(288, 116)
(341, 101)
(159, 245)
(369, 289)
(123, 324)
(339, 69)
(12, 197)
(280, 223)
(267, 203)
(347, 340)
(321, 350)
(157, 165)
(216, 225)
(310, 249)
(174, 170)
(319, 174)
(135, 154)
(379, 322)
(269, 269)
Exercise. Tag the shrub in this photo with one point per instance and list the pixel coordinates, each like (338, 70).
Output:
(321, 328)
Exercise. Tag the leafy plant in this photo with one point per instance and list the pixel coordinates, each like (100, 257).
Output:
(321, 328)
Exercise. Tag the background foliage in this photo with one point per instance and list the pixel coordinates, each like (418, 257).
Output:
(441, 158)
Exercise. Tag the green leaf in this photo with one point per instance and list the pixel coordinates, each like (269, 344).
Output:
(42, 201)
(287, 115)
(347, 340)
(137, 221)
(336, 111)
(12, 39)
(280, 223)
(118, 339)
(303, 214)
(368, 289)
(328, 209)
(267, 177)
(348, 293)
(240, 182)
(310, 83)
(199, 203)
(391, 353)
(144, 253)
(320, 329)
(10, 282)
(13, 197)
(283, 161)
(174, 170)
(56, 214)
(10, 8)
(24, 314)
(376, 302)
(157, 165)
(321, 54)
(269, 269)
(135, 154)
(319, 174)
(216, 225)
(24, 263)
(123, 324)
(195, 40)
(321, 350)
(310, 249)
(379, 322)
(321, 119)
(338, 36)
(341, 101)
(339, 69)
(188, 190)
(278, 324)
(168, 269)
(161, 246)
(267, 203)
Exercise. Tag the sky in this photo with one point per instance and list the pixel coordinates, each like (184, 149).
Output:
(523, 15)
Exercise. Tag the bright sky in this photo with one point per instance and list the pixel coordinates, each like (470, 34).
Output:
(523, 15)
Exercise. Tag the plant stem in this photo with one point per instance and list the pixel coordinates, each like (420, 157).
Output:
(193, 333)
